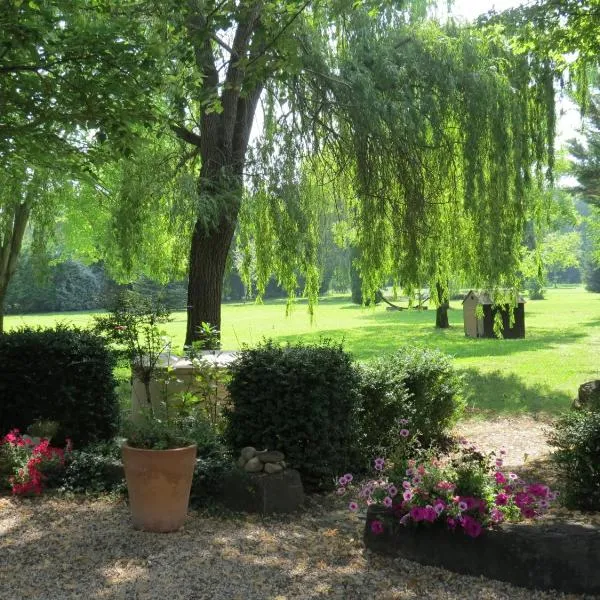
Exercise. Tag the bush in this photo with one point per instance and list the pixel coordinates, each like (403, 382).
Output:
(416, 384)
(300, 399)
(94, 470)
(60, 374)
(576, 438)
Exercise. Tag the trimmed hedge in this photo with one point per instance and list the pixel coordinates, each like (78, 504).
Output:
(417, 384)
(61, 374)
(300, 399)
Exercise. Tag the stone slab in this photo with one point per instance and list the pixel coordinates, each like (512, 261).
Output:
(263, 493)
(563, 557)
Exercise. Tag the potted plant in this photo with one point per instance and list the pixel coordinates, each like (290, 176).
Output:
(159, 454)
(159, 459)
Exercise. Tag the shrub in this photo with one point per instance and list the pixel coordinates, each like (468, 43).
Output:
(576, 437)
(95, 469)
(300, 399)
(61, 374)
(417, 384)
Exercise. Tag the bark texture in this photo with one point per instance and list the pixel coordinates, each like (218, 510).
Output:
(222, 143)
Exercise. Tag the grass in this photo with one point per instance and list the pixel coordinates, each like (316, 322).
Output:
(537, 375)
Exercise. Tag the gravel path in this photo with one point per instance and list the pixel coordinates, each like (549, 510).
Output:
(58, 550)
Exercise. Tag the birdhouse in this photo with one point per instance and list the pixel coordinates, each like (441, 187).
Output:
(484, 326)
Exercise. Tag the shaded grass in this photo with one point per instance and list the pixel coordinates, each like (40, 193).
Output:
(538, 374)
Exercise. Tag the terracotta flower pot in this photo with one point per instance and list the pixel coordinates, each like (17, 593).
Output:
(159, 483)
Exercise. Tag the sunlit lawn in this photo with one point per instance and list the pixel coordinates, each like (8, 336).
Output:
(538, 374)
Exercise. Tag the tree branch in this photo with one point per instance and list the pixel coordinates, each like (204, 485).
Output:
(186, 135)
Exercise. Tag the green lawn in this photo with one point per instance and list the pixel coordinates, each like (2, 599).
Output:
(538, 374)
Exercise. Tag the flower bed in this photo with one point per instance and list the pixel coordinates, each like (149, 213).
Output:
(562, 557)
(463, 511)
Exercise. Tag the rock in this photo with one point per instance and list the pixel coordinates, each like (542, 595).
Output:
(261, 493)
(241, 462)
(247, 453)
(270, 456)
(253, 465)
(273, 468)
(588, 396)
(283, 464)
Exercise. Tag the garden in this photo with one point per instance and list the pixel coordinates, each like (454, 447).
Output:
(299, 299)
(378, 446)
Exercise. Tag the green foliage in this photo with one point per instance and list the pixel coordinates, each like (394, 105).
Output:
(57, 57)
(60, 374)
(133, 327)
(300, 399)
(95, 469)
(156, 434)
(576, 437)
(416, 384)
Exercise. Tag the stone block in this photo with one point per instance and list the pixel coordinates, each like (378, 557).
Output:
(263, 493)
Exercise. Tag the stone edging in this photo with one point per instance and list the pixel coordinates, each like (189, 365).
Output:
(563, 556)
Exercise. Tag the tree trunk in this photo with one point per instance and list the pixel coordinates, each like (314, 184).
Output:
(2, 295)
(208, 256)
(10, 248)
(441, 312)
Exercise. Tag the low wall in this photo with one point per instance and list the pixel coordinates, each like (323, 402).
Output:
(181, 379)
(561, 556)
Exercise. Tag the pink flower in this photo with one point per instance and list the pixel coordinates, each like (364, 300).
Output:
(471, 526)
(501, 499)
(539, 490)
(353, 506)
(496, 515)
(341, 491)
(528, 512)
(462, 506)
(408, 495)
(513, 476)
(499, 462)
(387, 501)
(445, 485)
(348, 477)
(451, 522)
(406, 485)
(392, 490)
(499, 477)
(404, 432)
(376, 527)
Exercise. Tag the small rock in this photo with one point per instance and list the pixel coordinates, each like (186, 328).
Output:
(270, 456)
(273, 468)
(241, 462)
(253, 465)
(247, 453)
(283, 464)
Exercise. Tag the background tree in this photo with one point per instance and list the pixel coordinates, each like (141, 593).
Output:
(72, 73)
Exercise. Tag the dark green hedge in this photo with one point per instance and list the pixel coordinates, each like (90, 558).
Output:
(60, 374)
(300, 399)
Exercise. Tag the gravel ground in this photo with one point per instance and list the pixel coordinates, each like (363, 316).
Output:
(58, 549)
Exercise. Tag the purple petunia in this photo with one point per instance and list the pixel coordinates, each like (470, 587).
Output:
(376, 527)
(404, 432)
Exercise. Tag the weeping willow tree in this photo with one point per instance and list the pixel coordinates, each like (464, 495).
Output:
(427, 140)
